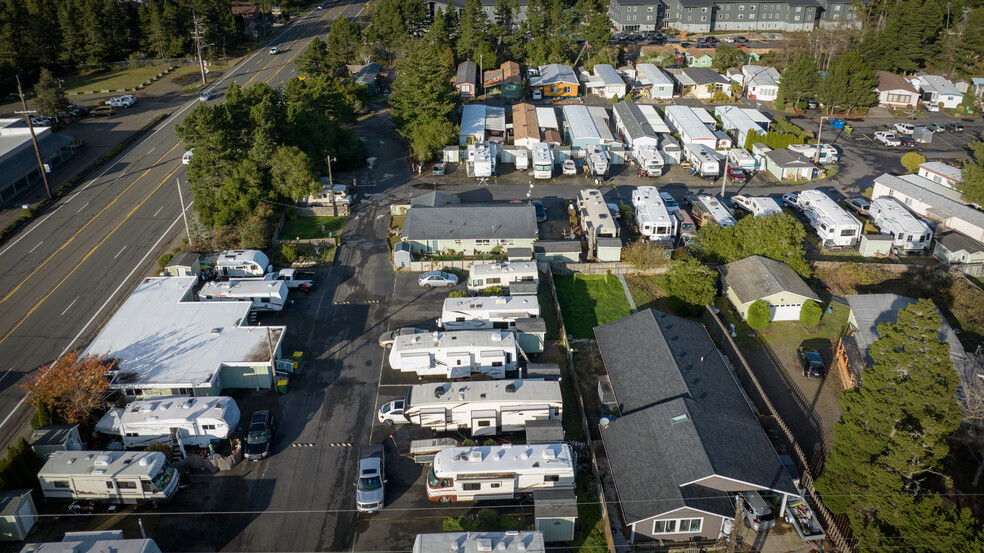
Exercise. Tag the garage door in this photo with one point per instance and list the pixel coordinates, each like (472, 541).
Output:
(789, 312)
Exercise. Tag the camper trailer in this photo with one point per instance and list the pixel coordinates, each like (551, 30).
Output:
(196, 420)
(652, 217)
(708, 209)
(483, 407)
(649, 159)
(456, 354)
(596, 218)
(488, 275)
(892, 218)
(242, 264)
(703, 160)
(828, 154)
(757, 206)
(597, 160)
(125, 477)
(479, 313)
(832, 224)
(499, 472)
(542, 161)
(481, 159)
(265, 295)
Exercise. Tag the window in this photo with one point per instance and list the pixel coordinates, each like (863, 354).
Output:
(848, 232)
(149, 486)
(132, 434)
(551, 478)
(109, 485)
(741, 8)
(664, 527)
(741, 16)
(797, 18)
(471, 487)
(678, 418)
(567, 90)
(484, 423)
(497, 363)
(751, 16)
(799, 9)
(482, 242)
(60, 484)
(679, 526)
(837, 8)
(690, 524)
(495, 485)
(649, 9)
(703, 18)
(751, 8)
(127, 485)
(494, 280)
(457, 242)
(208, 427)
(703, 10)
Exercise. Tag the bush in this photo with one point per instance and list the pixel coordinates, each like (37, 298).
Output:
(689, 285)
(458, 294)
(492, 291)
(20, 469)
(912, 160)
(810, 313)
(289, 253)
(759, 315)
(644, 255)
(488, 520)
(163, 260)
(41, 416)
(163, 448)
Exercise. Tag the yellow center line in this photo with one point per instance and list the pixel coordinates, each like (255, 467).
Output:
(341, 9)
(276, 57)
(74, 236)
(92, 251)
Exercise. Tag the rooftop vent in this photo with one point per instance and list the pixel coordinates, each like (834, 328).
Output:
(144, 461)
(549, 453)
(484, 544)
(510, 388)
(475, 455)
(102, 461)
(439, 391)
(216, 330)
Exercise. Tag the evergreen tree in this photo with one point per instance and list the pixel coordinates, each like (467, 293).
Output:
(316, 58)
(387, 28)
(799, 80)
(49, 98)
(850, 83)
(969, 51)
(439, 33)
(424, 101)
(343, 42)
(726, 57)
(472, 30)
(972, 186)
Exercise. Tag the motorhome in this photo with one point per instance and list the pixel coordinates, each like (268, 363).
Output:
(649, 159)
(489, 275)
(832, 224)
(456, 354)
(265, 295)
(483, 312)
(483, 407)
(708, 209)
(757, 205)
(596, 219)
(124, 477)
(542, 161)
(685, 228)
(481, 159)
(703, 160)
(651, 215)
(828, 154)
(242, 264)
(892, 218)
(195, 420)
(499, 472)
(597, 160)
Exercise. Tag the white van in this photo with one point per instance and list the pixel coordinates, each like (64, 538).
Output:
(186, 158)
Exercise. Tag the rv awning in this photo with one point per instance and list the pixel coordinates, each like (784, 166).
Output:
(110, 423)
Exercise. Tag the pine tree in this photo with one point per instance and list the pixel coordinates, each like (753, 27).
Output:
(799, 80)
(49, 98)
(343, 41)
(970, 49)
(439, 33)
(472, 29)
(423, 100)
(850, 83)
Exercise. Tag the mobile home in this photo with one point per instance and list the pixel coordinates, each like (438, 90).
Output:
(455, 354)
(580, 127)
(242, 264)
(832, 224)
(691, 126)
(828, 154)
(661, 84)
(596, 220)
(487, 275)
(708, 209)
(892, 218)
(526, 131)
(472, 124)
(126, 477)
(633, 126)
(196, 420)
(757, 205)
(499, 472)
(265, 295)
(484, 407)
(703, 160)
(734, 119)
(483, 312)
(654, 220)
(542, 161)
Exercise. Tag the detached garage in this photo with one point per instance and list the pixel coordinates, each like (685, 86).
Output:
(759, 278)
(17, 515)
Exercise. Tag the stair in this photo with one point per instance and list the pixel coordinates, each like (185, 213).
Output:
(177, 448)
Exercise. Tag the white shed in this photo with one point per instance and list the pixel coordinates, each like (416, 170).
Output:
(18, 515)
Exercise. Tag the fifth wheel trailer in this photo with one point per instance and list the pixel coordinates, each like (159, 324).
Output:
(484, 312)
(125, 477)
(455, 354)
(499, 472)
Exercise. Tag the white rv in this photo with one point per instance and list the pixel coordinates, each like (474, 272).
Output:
(455, 354)
(596, 218)
(484, 407)
(828, 154)
(243, 264)
(832, 224)
(481, 158)
(651, 214)
(499, 472)
(703, 160)
(542, 161)
(597, 159)
(197, 420)
(708, 209)
(265, 295)
(649, 159)
(487, 275)
(125, 477)
(757, 206)
(907, 231)
(479, 313)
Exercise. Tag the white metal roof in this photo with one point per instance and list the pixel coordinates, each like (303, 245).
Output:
(525, 304)
(654, 75)
(486, 391)
(889, 215)
(757, 116)
(938, 84)
(580, 122)
(94, 542)
(655, 121)
(690, 122)
(526, 459)
(827, 209)
(601, 120)
(546, 118)
(495, 118)
(761, 205)
(936, 188)
(735, 118)
(112, 463)
(234, 257)
(159, 339)
(944, 170)
(480, 270)
(473, 121)
(244, 288)
(607, 75)
(480, 542)
(717, 210)
(180, 409)
(455, 340)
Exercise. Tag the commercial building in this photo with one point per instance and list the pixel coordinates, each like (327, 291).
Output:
(636, 15)
(18, 159)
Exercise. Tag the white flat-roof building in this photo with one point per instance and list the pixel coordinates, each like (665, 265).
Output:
(97, 542)
(660, 84)
(455, 354)
(939, 90)
(472, 124)
(477, 542)
(690, 124)
(652, 116)
(546, 118)
(891, 218)
(580, 127)
(832, 224)
(941, 173)
(605, 82)
(654, 220)
(167, 344)
(734, 118)
(931, 204)
(633, 125)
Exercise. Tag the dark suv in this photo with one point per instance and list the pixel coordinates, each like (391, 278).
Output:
(259, 441)
(812, 363)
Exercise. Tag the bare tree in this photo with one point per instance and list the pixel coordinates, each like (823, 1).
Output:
(971, 431)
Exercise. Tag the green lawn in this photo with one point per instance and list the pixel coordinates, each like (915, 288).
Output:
(305, 228)
(112, 80)
(548, 312)
(588, 301)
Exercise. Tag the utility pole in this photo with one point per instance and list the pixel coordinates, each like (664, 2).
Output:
(34, 138)
(816, 157)
(724, 182)
(198, 45)
(331, 186)
(735, 525)
(183, 214)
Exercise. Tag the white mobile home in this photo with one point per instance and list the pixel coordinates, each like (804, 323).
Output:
(499, 472)
(126, 477)
(455, 354)
(832, 224)
(487, 275)
(579, 127)
(242, 263)
(654, 220)
(707, 209)
(757, 206)
(633, 126)
(483, 312)
(828, 153)
(484, 407)
(596, 219)
(703, 160)
(649, 160)
(542, 161)
(606, 82)
(197, 420)
(693, 130)
(735, 119)
(892, 218)
(598, 160)
(526, 130)
(265, 295)
(660, 84)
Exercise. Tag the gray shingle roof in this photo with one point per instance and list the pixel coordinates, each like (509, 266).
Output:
(703, 75)
(435, 199)
(682, 411)
(467, 73)
(785, 157)
(954, 241)
(757, 277)
(470, 221)
(556, 246)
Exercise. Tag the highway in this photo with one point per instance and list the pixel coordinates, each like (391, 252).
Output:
(64, 274)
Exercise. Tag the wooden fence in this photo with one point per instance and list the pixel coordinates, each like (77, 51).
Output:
(601, 268)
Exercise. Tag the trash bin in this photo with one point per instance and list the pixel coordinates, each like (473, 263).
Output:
(282, 385)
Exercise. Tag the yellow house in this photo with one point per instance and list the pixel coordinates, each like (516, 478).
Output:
(554, 80)
(758, 278)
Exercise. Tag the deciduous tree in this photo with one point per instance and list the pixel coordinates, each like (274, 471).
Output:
(645, 254)
(72, 387)
(779, 237)
(689, 285)
(726, 57)
(912, 160)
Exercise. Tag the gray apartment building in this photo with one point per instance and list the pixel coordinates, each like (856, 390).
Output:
(488, 6)
(636, 15)
(703, 16)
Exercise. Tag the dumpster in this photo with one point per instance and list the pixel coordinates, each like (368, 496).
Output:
(836, 123)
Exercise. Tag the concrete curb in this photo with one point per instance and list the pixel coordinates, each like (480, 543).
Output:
(118, 90)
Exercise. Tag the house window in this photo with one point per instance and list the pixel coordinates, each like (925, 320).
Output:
(482, 242)
(837, 8)
(690, 524)
(678, 526)
(741, 8)
(797, 18)
(751, 16)
(649, 18)
(751, 8)
(703, 10)
(664, 527)
(567, 90)
(649, 9)
(799, 9)
(703, 18)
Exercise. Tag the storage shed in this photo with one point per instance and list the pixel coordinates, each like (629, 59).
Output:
(402, 255)
(519, 254)
(609, 249)
(55, 437)
(872, 245)
(555, 512)
(18, 515)
(544, 432)
(606, 394)
(563, 251)
(531, 334)
(184, 264)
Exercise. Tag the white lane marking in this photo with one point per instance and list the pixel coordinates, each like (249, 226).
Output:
(30, 230)
(36, 247)
(158, 211)
(81, 208)
(152, 149)
(11, 413)
(118, 253)
(66, 309)
(5, 374)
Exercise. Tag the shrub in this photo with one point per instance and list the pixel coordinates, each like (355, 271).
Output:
(288, 251)
(458, 294)
(810, 313)
(912, 160)
(163, 448)
(41, 416)
(492, 291)
(645, 255)
(26, 213)
(759, 315)
(487, 519)
(163, 260)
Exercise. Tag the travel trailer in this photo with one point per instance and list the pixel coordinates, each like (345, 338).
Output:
(685, 228)
(832, 224)
(456, 354)
(708, 209)
(760, 205)
(196, 420)
(243, 264)
(487, 275)
(265, 295)
(597, 160)
(892, 218)
(649, 159)
(542, 161)
(483, 407)
(703, 160)
(480, 312)
(828, 154)
(124, 477)
(499, 472)
(651, 215)
(481, 159)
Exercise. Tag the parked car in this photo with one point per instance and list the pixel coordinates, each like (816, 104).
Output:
(207, 95)
(811, 362)
(387, 338)
(936, 127)
(929, 106)
(757, 513)
(259, 440)
(438, 168)
(392, 413)
(124, 101)
(686, 45)
(541, 212)
(186, 158)
(274, 51)
(905, 128)
(369, 494)
(40, 121)
(790, 200)
(741, 40)
(736, 173)
(858, 204)
(102, 110)
(887, 138)
(669, 202)
(954, 127)
(907, 142)
(437, 278)
(569, 167)
(811, 103)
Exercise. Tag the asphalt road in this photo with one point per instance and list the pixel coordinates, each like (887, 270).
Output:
(63, 275)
